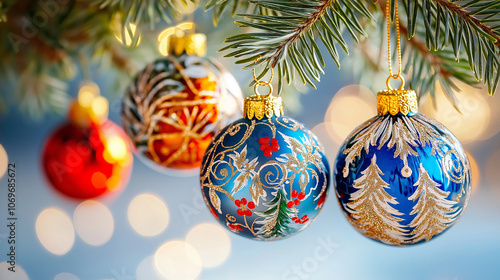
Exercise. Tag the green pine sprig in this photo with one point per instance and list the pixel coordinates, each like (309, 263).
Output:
(289, 41)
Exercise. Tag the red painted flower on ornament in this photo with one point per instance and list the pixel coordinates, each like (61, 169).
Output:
(244, 208)
(233, 227)
(267, 148)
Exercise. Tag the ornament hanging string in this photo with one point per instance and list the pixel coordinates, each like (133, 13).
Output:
(392, 75)
(262, 83)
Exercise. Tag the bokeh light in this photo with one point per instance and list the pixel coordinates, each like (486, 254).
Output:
(55, 231)
(6, 274)
(4, 161)
(177, 260)
(99, 108)
(128, 38)
(66, 276)
(116, 149)
(212, 243)
(324, 136)
(492, 172)
(227, 101)
(163, 37)
(148, 215)
(88, 91)
(186, 8)
(93, 222)
(473, 119)
(146, 270)
(351, 106)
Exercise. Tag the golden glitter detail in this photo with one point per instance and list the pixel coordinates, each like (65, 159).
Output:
(370, 210)
(260, 106)
(396, 101)
(434, 212)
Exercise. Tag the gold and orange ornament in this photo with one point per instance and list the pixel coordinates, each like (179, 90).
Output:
(176, 104)
(89, 156)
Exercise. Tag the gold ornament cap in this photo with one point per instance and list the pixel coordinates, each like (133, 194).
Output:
(187, 43)
(396, 101)
(260, 106)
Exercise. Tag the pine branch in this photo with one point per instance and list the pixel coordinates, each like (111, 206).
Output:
(287, 40)
(425, 68)
(469, 17)
(4, 8)
(40, 64)
(142, 11)
(469, 26)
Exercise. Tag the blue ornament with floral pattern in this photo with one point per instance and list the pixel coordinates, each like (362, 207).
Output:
(265, 176)
(401, 178)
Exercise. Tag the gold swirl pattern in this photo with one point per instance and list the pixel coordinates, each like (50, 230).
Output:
(453, 167)
(266, 198)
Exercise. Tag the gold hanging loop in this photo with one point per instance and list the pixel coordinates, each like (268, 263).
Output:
(262, 106)
(395, 101)
(269, 86)
(395, 77)
(262, 83)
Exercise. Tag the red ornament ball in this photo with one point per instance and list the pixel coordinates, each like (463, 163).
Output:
(87, 162)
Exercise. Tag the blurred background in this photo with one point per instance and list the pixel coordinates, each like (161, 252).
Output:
(142, 231)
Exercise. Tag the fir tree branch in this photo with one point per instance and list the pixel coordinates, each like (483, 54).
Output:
(301, 29)
(287, 40)
(467, 16)
(142, 11)
(468, 26)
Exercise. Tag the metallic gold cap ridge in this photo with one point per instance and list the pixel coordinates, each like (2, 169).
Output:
(260, 106)
(396, 101)
(189, 44)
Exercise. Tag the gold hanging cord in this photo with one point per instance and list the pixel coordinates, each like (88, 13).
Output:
(395, 101)
(263, 83)
(392, 75)
(259, 106)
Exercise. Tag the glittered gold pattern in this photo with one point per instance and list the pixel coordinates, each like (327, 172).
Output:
(453, 167)
(174, 127)
(260, 106)
(370, 211)
(396, 101)
(434, 212)
(240, 169)
(190, 44)
(402, 134)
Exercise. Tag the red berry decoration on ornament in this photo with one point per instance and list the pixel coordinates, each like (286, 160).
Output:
(89, 156)
(266, 148)
(244, 209)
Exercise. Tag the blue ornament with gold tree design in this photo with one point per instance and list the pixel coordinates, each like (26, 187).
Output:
(401, 178)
